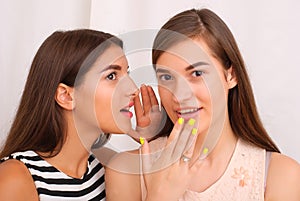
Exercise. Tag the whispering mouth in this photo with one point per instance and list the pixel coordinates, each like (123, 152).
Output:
(124, 110)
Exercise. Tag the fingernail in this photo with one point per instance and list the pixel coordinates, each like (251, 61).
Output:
(205, 150)
(194, 131)
(142, 140)
(181, 120)
(191, 122)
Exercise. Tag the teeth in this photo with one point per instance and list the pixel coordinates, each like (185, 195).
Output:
(188, 111)
(125, 109)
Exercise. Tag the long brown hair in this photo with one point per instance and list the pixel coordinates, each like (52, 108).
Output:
(205, 24)
(39, 124)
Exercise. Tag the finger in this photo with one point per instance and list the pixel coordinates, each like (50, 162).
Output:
(166, 155)
(175, 131)
(183, 140)
(152, 96)
(145, 156)
(190, 147)
(139, 112)
(146, 99)
(145, 146)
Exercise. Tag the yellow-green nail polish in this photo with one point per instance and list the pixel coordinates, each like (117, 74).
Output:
(192, 122)
(142, 140)
(205, 150)
(180, 120)
(194, 131)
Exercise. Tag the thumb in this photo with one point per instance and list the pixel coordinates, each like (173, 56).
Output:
(145, 146)
(145, 155)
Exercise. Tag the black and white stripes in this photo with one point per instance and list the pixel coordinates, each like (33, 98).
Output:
(54, 185)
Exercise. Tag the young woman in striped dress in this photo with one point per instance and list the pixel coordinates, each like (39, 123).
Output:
(77, 88)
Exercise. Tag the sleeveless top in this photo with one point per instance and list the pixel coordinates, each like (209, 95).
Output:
(54, 185)
(243, 179)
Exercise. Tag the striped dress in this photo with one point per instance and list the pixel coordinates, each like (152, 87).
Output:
(54, 185)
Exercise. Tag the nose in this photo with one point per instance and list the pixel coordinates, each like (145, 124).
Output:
(182, 91)
(131, 89)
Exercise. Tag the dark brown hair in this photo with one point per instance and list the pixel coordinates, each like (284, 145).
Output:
(205, 24)
(39, 124)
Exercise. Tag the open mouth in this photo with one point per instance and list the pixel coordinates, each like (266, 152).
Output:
(188, 113)
(126, 110)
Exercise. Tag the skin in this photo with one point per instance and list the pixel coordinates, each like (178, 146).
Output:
(99, 87)
(104, 98)
(182, 88)
(283, 179)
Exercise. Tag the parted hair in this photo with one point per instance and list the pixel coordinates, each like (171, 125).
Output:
(205, 24)
(39, 124)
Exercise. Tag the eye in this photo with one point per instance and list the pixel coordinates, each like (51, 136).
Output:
(165, 77)
(197, 73)
(112, 76)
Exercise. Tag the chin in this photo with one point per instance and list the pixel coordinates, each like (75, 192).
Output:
(123, 130)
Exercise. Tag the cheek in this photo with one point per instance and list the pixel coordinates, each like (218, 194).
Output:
(201, 92)
(85, 104)
(103, 103)
(165, 95)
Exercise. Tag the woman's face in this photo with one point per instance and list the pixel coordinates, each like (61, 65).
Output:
(106, 94)
(192, 84)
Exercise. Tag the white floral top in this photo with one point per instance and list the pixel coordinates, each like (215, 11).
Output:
(243, 179)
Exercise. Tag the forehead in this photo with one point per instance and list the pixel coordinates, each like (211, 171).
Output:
(112, 55)
(186, 52)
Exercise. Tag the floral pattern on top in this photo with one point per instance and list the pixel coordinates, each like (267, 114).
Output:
(242, 175)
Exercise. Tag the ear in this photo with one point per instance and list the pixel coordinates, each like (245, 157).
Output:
(64, 96)
(231, 78)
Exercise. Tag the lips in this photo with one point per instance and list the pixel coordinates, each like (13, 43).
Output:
(126, 110)
(187, 113)
(131, 103)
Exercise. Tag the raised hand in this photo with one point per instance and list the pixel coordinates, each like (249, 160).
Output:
(167, 176)
(149, 118)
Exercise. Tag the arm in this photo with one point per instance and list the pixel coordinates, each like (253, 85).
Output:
(122, 173)
(122, 177)
(283, 181)
(122, 186)
(16, 183)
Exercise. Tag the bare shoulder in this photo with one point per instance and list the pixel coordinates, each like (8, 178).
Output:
(122, 178)
(283, 180)
(128, 162)
(15, 177)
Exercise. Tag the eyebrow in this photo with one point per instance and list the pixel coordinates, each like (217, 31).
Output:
(190, 67)
(161, 70)
(112, 67)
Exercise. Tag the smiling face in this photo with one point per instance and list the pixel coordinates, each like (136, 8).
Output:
(182, 88)
(105, 96)
(193, 84)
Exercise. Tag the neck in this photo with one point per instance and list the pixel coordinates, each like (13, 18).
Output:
(224, 146)
(216, 162)
(72, 159)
